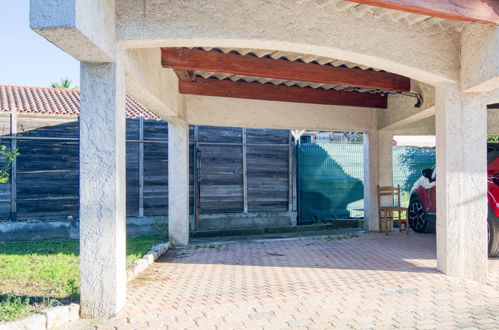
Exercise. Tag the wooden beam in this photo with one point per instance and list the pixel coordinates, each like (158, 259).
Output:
(245, 90)
(493, 106)
(185, 75)
(471, 11)
(200, 60)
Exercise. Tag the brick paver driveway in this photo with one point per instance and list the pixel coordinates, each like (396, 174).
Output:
(371, 281)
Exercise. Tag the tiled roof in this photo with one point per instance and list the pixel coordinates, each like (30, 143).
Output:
(57, 102)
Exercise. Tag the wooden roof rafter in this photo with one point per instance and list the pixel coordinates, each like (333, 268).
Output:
(201, 60)
(372, 85)
(270, 92)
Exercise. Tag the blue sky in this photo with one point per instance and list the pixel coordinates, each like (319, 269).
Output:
(26, 58)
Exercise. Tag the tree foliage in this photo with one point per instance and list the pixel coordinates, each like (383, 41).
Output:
(64, 83)
(411, 161)
(9, 157)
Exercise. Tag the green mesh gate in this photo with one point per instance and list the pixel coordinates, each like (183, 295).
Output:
(330, 178)
(329, 181)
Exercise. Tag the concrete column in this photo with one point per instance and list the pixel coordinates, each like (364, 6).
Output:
(385, 156)
(178, 182)
(385, 164)
(461, 130)
(370, 180)
(102, 190)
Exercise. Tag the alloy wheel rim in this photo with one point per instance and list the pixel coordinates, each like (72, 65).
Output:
(416, 216)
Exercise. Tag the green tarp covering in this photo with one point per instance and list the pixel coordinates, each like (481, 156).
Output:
(330, 178)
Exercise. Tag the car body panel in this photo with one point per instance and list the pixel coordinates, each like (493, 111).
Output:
(493, 188)
(426, 188)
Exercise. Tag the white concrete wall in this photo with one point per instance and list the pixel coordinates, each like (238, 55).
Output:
(149, 83)
(423, 127)
(102, 190)
(493, 122)
(371, 180)
(479, 59)
(178, 182)
(225, 111)
(385, 156)
(82, 28)
(426, 126)
(461, 185)
(425, 54)
(401, 111)
(378, 171)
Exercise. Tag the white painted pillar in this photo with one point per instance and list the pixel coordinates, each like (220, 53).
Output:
(102, 190)
(385, 156)
(370, 180)
(385, 164)
(461, 130)
(178, 182)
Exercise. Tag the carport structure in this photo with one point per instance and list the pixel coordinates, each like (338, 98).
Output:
(322, 65)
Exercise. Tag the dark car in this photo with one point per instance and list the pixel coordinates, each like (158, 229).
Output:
(422, 204)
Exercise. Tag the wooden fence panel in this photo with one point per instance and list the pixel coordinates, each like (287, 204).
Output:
(132, 129)
(221, 178)
(219, 134)
(155, 130)
(268, 170)
(41, 127)
(47, 179)
(132, 179)
(48, 169)
(155, 178)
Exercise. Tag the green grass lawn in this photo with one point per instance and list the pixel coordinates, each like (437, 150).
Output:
(38, 274)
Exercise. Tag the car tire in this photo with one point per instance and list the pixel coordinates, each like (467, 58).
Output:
(418, 219)
(493, 233)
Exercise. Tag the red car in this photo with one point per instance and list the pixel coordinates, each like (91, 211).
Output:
(422, 204)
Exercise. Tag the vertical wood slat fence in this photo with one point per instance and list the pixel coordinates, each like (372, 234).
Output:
(227, 175)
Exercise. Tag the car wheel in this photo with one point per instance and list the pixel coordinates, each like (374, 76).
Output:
(493, 234)
(417, 216)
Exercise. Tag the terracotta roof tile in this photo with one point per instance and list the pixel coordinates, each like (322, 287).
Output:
(58, 102)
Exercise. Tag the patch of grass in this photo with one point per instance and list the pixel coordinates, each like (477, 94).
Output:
(48, 268)
(13, 307)
(34, 273)
(137, 247)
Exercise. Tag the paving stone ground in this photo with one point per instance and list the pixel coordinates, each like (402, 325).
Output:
(371, 281)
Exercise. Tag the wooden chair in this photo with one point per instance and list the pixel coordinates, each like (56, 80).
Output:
(393, 212)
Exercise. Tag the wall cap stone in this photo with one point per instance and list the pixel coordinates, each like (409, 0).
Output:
(139, 265)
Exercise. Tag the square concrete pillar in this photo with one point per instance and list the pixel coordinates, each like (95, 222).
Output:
(178, 182)
(385, 158)
(461, 130)
(371, 180)
(378, 170)
(102, 190)
(385, 164)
